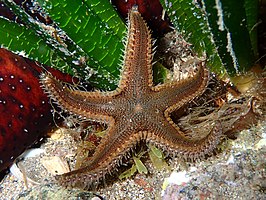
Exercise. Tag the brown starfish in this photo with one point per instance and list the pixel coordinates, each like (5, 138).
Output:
(135, 111)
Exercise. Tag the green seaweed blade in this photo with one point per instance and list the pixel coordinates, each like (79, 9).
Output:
(252, 12)
(90, 33)
(106, 12)
(228, 24)
(191, 21)
(16, 37)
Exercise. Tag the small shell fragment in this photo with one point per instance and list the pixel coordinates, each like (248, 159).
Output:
(57, 134)
(19, 172)
(55, 165)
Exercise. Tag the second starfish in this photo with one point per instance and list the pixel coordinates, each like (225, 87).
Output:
(135, 111)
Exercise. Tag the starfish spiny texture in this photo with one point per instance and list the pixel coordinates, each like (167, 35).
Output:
(135, 111)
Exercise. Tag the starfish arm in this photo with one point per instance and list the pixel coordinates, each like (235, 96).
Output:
(92, 105)
(115, 145)
(137, 69)
(180, 93)
(172, 140)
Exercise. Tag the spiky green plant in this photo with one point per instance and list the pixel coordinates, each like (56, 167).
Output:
(90, 35)
(223, 29)
(93, 33)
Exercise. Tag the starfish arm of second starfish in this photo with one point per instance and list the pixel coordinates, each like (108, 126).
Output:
(180, 93)
(92, 105)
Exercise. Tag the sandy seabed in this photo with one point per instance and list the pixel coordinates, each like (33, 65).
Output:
(237, 172)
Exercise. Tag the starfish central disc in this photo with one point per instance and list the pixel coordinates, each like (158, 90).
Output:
(138, 108)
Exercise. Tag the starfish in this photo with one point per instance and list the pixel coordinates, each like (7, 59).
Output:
(136, 111)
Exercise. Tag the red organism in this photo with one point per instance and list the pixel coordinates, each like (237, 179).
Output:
(24, 108)
(151, 11)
